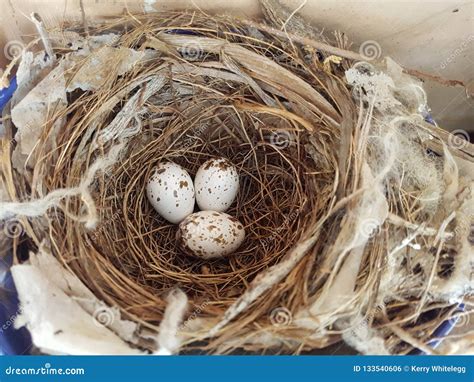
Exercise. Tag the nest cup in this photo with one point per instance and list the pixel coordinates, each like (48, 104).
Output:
(207, 88)
(131, 259)
(275, 201)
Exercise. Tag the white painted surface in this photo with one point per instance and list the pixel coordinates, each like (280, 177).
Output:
(432, 36)
(436, 37)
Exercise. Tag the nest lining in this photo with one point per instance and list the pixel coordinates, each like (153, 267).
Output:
(217, 88)
(275, 200)
(270, 204)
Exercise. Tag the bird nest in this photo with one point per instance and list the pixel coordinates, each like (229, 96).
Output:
(345, 237)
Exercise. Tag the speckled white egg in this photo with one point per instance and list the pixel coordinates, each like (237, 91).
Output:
(216, 183)
(170, 191)
(210, 234)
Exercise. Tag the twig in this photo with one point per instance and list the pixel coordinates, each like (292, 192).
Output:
(84, 18)
(431, 77)
(426, 231)
(345, 53)
(305, 41)
(43, 34)
(406, 337)
(294, 13)
(438, 239)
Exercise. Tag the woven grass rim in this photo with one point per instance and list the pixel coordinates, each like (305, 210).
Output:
(318, 120)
